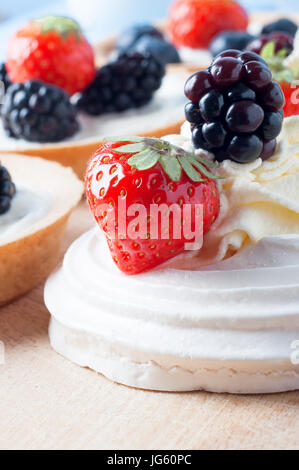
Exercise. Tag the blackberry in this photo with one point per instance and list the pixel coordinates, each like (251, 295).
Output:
(7, 190)
(161, 49)
(4, 82)
(284, 25)
(235, 108)
(4, 78)
(129, 82)
(38, 112)
(282, 41)
(229, 40)
(129, 37)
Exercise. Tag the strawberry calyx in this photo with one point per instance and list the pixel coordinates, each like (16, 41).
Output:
(275, 61)
(174, 160)
(59, 24)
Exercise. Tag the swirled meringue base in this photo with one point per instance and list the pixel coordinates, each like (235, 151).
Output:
(227, 328)
(89, 350)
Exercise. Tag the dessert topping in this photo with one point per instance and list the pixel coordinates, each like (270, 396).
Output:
(236, 108)
(4, 78)
(128, 38)
(161, 49)
(52, 49)
(50, 58)
(283, 43)
(129, 82)
(194, 23)
(146, 38)
(283, 24)
(38, 112)
(286, 76)
(291, 94)
(7, 190)
(230, 40)
(146, 173)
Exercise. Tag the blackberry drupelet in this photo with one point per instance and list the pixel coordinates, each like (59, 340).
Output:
(7, 190)
(4, 82)
(129, 82)
(4, 78)
(38, 112)
(235, 108)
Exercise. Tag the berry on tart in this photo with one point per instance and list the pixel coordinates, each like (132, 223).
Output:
(146, 38)
(54, 50)
(291, 94)
(235, 108)
(286, 77)
(128, 38)
(129, 82)
(161, 49)
(7, 190)
(230, 40)
(147, 172)
(282, 42)
(4, 78)
(38, 112)
(41, 112)
(194, 23)
(284, 25)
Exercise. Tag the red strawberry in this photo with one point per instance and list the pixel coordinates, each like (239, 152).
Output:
(194, 23)
(148, 172)
(291, 94)
(54, 50)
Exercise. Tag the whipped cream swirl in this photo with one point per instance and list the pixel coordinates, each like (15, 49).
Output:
(258, 199)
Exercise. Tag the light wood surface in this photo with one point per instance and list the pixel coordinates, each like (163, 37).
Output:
(48, 403)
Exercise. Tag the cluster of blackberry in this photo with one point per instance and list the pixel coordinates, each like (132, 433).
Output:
(235, 109)
(38, 112)
(4, 78)
(129, 82)
(7, 190)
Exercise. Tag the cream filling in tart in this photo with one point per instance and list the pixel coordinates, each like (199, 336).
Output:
(31, 231)
(46, 191)
(27, 208)
(166, 108)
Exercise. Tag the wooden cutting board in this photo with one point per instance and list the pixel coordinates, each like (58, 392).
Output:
(47, 402)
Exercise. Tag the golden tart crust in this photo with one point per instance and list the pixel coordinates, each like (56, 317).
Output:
(28, 257)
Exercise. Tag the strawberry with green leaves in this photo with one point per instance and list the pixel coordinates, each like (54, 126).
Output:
(285, 76)
(148, 172)
(52, 49)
